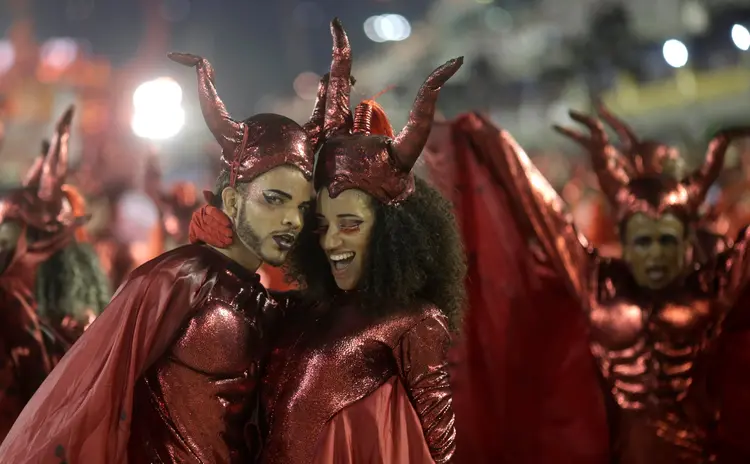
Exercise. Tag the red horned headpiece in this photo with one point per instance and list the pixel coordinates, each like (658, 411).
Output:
(262, 142)
(44, 201)
(352, 156)
(642, 157)
(632, 188)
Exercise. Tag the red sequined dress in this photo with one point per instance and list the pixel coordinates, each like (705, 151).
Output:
(347, 386)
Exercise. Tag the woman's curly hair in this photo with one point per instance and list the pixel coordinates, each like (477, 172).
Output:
(415, 254)
(70, 283)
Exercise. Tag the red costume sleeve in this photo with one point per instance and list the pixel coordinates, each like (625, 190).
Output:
(424, 370)
(525, 387)
(82, 412)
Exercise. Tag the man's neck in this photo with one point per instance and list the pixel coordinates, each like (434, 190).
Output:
(240, 256)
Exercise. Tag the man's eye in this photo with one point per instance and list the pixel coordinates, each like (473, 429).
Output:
(643, 241)
(272, 199)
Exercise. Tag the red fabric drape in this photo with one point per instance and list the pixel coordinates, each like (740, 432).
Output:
(524, 383)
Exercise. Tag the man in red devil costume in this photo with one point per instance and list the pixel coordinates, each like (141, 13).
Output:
(168, 373)
(619, 371)
(51, 285)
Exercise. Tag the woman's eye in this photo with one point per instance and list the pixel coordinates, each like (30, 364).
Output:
(350, 227)
(321, 230)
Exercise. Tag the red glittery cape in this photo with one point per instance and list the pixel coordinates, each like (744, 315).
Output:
(525, 387)
(82, 412)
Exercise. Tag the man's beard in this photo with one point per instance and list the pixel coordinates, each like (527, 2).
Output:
(247, 234)
(252, 240)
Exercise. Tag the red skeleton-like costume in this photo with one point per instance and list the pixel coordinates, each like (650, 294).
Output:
(581, 365)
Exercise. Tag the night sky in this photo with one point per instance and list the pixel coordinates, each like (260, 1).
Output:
(256, 46)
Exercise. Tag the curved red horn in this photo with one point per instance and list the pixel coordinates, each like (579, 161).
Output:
(55, 165)
(605, 160)
(314, 126)
(225, 130)
(408, 144)
(628, 140)
(35, 172)
(700, 181)
(338, 115)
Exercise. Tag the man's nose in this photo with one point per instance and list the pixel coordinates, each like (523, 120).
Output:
(293, 219)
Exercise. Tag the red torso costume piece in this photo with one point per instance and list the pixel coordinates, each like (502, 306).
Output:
(25, 357)
(652, 349)
(166, 374)
(331, 362)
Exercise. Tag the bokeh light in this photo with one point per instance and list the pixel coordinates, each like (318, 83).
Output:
(675, 53)
(158, 114)
(741, 37)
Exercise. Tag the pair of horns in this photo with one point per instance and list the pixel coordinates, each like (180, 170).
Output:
(51, 168)
(407, 145)
(613, 174)
(227, 131)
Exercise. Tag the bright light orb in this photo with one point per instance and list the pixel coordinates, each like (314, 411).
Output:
(741, 37)
(158, 114)
(160, 125)
(675, 53)
(387, 28)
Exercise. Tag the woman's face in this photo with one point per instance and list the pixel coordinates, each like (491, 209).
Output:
(655, 249)
(344, 225)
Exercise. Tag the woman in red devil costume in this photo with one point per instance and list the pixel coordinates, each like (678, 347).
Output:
(361, 375)
(650, 319)
(167, 373)
(51, 285)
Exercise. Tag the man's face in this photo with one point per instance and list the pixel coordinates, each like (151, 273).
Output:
(10, 233)
(268, 213)
(655, 248)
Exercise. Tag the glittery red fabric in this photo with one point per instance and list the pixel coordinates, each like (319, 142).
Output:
(350, 157)
(329, 359)
(166, 374)
(653, 349)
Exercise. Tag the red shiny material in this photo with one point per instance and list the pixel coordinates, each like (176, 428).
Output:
(332, 358)
(650, 347)
(383, 427)
(351, 157)
(41, 202)
(165, 374)
(525, 388)
(25, 358)
(260, 143)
